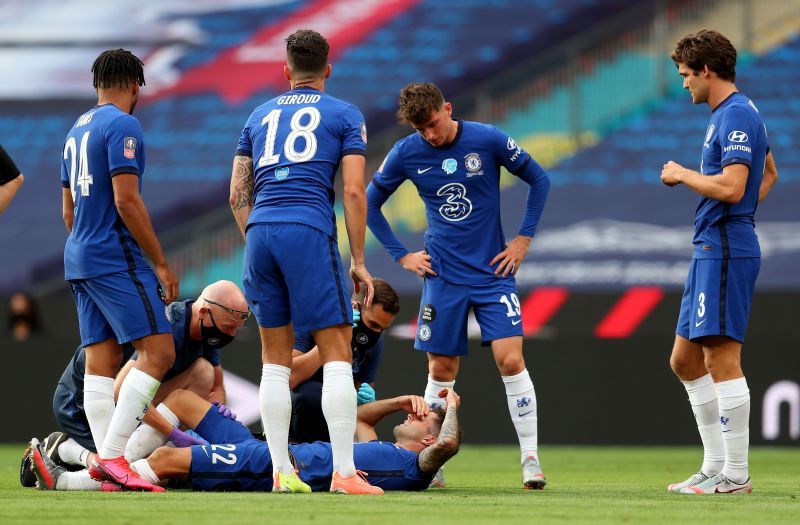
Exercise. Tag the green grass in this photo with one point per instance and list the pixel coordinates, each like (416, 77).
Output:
(587, 485)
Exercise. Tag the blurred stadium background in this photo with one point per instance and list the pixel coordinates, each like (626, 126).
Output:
(586, 86)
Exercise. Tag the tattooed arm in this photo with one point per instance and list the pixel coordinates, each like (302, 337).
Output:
(241, 198)
(446, 446)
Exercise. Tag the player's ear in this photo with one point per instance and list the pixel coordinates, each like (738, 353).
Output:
(449, 108)
(328, 71)
(429, 440)
(287, 73)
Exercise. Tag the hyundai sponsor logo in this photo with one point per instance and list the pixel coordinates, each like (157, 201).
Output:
(738, 136)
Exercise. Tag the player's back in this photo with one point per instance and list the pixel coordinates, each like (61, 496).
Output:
(297, 141)
(736, 135)
(103, 142)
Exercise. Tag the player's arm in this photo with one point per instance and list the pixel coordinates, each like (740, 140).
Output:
(67, 208)
(241, 197)
(218, 390)
(370, 414)
(304, 365)
(770, 177)
(10, 179)
(432, 458)
(521, 164)
(727, 187)
(354, 199)
(134, 214)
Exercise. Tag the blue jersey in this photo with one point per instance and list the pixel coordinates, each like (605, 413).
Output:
(186, 352)
(297, 141)
(460, 186)
(735, 135)
(104, 142)
(388, 466)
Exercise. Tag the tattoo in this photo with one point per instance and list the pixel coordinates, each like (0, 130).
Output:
(446, 446)
(242, 182)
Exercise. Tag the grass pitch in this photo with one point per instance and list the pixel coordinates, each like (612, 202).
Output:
(586, 485)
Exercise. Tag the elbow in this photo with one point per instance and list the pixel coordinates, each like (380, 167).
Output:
(125, 205)
(450, 444)
(733, 196)
(354, 192)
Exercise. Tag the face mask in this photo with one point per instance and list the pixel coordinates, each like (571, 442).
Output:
(363, 337)
(212, 337)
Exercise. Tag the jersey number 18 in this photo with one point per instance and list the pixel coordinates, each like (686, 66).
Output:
(306, 131)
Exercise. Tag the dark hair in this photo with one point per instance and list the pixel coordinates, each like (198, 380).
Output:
(385, 296)
(307, 52)
(418, 101)
(117, 68)
(442, 412)
(707, 48)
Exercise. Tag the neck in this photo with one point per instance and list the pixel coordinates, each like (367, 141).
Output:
(717, 96)
(316, 83)
(118, 99)
(451, 136)
(194, 326)
(413, 446)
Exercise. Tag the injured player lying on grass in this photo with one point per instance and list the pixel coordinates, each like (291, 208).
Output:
(236, 461)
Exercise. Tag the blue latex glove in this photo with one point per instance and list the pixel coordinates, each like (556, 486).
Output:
(183, 439)
(365, 394)
(225, 411)
(356, 316)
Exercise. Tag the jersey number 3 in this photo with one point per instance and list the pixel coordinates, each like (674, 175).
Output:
(84, 178)
(306, 131)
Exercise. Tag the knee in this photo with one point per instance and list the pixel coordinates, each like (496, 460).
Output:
(201, 377)
(510, 365)
(682, 365)
(159, 458)
(443, 369)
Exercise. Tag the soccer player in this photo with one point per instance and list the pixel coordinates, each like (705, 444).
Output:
(10, 179)
(282, 198)
(736, 172)
(235, 461)
(200, 329)
(117, 294)
(308, 423)
(466, 262)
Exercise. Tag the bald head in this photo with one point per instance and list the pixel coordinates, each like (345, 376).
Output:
(226, 293)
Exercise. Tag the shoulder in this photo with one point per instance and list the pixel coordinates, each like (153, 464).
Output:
(124, 121)
(741, 109)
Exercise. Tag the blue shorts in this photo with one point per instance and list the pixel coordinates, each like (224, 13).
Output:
(234, 462)
(293, 273)
(444, 313)
(125, 306)
(717, 298)
(71, 418)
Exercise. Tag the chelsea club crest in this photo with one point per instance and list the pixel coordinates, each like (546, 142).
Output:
(473, 164)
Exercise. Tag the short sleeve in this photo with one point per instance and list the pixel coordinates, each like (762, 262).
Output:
(212, 356)
(354, 130)
(508, 152)
(304, 341)
(245, 146)
(125, 147)
(390, 174)
(64, 173)
(737, 134)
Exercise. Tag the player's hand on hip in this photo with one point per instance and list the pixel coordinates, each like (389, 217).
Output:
(671, 172)
(361, 277)
(512, 256)
(418, 263)
(169, 280)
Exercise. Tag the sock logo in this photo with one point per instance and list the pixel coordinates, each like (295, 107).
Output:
(724, 420)
(523, 402)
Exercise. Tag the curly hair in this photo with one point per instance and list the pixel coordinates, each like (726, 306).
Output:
(418, 101)
(707, 48)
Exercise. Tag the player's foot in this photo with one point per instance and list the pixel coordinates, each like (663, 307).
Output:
(44, 468)
(694, 479)
(438, 480)
(719, 484)
(110, 486)
(532, 474)
(27, 477)
(119, 471)
(50, 447)
(356, 484)
(289, 483)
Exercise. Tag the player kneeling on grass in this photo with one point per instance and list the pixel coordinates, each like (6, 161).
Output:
(200, 329)
(238, 462)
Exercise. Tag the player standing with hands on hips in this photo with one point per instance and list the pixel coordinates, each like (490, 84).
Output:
(466, 263)
(737, 171)
(282, 198)
(117, 294)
